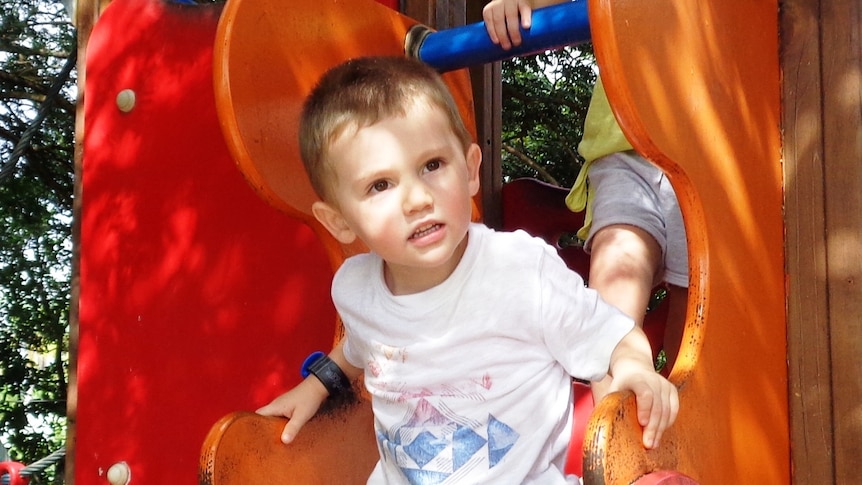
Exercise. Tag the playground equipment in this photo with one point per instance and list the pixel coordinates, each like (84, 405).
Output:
(607, 460)
(198, 297)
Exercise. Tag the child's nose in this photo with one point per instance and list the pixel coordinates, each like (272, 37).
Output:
(417, 197)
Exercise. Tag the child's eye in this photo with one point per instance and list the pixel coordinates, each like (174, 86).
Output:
(379, 186)
(433, 165)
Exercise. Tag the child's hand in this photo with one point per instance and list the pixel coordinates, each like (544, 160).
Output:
(298, 405)
(502, 19)
(657, 401)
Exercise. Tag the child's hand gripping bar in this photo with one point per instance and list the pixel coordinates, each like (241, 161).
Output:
(552, 27)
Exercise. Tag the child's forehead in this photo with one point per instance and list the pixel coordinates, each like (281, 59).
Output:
(406, 113)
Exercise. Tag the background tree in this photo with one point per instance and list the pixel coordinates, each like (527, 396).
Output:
(545, 100)
(37, 110)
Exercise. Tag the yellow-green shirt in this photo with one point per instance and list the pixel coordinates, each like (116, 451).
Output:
(602, 136)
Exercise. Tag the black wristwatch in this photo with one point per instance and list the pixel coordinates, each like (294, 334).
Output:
(327, 372)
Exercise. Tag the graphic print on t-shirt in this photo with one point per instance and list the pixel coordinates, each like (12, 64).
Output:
(433, 444)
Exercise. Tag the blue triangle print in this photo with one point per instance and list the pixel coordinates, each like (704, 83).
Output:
(501, 439)
(465, 444)
(424, 477)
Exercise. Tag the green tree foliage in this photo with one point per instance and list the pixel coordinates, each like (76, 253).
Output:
(545, 99)
(36, 187)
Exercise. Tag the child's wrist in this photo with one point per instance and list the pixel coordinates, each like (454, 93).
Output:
(630, 366)
(327, 372)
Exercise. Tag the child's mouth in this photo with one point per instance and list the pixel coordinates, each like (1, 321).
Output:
(425, 231)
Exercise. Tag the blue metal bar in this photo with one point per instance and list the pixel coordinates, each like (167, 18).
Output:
(552, 27)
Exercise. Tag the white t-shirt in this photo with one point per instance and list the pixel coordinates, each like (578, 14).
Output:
(471, 380)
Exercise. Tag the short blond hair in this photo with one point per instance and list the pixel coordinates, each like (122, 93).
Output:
(361, 92)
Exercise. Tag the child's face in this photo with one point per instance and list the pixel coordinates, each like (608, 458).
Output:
(404, 186)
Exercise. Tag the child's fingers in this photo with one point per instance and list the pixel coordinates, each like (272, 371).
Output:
(502, 20)
(526, 14)
(657, 410)
(671, 410)
(649, 415)
(282, 406)
(491, 27)
(270, 409)
(296, 422)
(495, 23)
(288, 411)
(517, 17)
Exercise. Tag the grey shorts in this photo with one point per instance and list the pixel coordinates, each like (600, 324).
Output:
(628, 189)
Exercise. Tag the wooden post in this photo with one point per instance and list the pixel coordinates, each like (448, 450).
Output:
(807, 305)
(842, 154)
(86, 13)
(822, 152)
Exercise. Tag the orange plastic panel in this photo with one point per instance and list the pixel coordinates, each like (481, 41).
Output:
(613, 453)
(337, 447)
(695, 86)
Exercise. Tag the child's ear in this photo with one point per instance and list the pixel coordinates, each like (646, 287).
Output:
(333, 221)
(474, 160)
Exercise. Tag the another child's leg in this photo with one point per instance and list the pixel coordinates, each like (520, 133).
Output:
(637, 240)
(624, 264)
(625, 267)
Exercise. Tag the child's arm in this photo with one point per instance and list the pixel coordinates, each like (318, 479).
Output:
(302, 402)
(657, 399)
(502, 18)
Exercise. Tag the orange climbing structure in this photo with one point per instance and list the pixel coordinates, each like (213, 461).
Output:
(710, 120)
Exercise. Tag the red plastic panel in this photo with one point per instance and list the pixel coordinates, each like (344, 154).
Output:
(197, 298)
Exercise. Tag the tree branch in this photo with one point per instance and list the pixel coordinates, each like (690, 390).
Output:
(31, 52)
(39, 98)
(547, 177)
